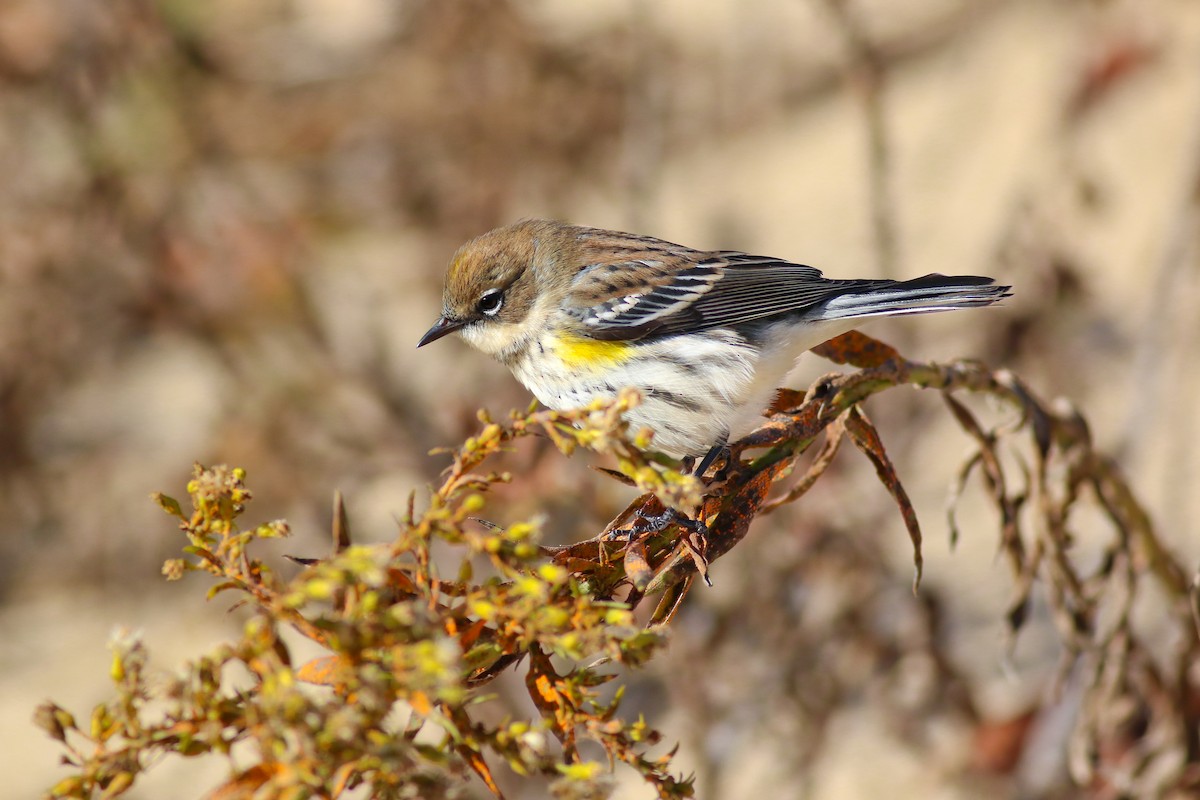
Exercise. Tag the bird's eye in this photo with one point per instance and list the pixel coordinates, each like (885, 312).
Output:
(490, 302)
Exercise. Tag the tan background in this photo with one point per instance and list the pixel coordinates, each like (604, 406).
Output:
(222, 230)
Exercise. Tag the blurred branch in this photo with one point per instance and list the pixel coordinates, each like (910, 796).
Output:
(869, 75)
(642, 136)
(1164, 306)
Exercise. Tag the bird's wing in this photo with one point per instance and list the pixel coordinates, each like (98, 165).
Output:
(689, 291)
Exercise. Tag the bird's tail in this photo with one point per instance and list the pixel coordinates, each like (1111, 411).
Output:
(924, 295)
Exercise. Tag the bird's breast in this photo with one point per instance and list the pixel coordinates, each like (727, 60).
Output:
(690, 384)
(585, 354)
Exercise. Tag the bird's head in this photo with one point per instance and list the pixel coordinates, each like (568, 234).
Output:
(495, 282)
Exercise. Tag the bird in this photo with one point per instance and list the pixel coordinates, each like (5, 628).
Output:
(705, 336)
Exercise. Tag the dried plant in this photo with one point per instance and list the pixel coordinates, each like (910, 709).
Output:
(398, 704)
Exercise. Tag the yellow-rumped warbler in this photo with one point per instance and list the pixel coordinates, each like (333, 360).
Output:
(706, 336)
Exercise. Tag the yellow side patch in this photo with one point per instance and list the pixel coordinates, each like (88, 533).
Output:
(578, 352)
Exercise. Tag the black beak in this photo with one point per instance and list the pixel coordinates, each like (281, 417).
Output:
(442, 327)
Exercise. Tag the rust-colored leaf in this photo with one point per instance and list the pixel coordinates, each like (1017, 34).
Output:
(476, 762)
(399, 580)
(586, 551)
(730, 526)
(857, 349)
(243, 785)
(420, 703)
(997, 746)
(320, 671)
(738, 511)
(545, 690)
(468, 750)
(342, 778)
(637, 567)
(1115, 62)
(829, 449)
(786, 400)
(582, 566)
(468, 637)
(204, 553)
(866, 438)
(540, 682)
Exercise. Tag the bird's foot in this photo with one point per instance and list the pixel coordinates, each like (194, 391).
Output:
(694, 538)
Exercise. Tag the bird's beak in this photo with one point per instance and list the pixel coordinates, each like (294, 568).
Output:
(440, 328)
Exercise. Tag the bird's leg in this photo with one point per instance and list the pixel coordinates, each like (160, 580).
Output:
(654, 523)
(695, 531)
(714, 452)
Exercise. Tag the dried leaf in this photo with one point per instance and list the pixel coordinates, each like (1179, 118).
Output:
(786, 400)
(399, 580)
(739, 510)
(544, 689)
(696, 546)
(341, 525)
(956, 492)
(217, 588)
(866, 438)
(824, 457)
(637, 567)
(615, 475)
(1022, 591)
(480, 767)
(244, 785)
(488, 673)
(997, 746)
(420, 703)
(670, 602)
(169, 505)
(540, 684)
(994, 482)
(857, 349)
(321, 671)
(730, 526)
(342, 779)
(467, 638)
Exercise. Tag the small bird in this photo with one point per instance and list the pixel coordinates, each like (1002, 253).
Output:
(706, 336)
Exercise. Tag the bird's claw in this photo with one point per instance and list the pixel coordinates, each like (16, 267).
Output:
(694, 540)
(649, 524)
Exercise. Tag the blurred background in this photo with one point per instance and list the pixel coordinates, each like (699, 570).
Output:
(223, 227)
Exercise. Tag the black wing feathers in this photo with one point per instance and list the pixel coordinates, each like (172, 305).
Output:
(722, 289)
(730, 288)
